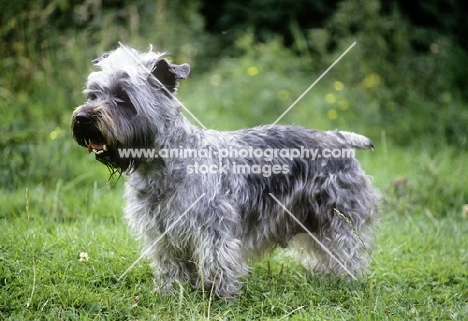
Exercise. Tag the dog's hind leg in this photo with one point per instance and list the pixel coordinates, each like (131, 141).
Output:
(348, 206)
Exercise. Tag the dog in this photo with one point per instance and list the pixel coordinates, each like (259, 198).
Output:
(205, 217)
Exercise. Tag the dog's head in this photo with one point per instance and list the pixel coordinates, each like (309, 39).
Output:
(129, 104)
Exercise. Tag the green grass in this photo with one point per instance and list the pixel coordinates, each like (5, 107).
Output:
(419, 269)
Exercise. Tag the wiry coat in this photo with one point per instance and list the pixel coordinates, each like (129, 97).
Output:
(237, 219)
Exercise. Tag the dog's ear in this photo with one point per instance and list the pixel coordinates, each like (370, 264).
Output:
(103, 56)
(167, 73)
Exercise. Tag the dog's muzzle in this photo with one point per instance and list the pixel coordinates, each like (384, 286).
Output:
(87, 134)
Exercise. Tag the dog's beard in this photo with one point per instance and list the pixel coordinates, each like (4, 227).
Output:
(88, 134)
(115, 164)
(105, 152)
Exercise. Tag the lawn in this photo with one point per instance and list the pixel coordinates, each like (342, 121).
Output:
(419, 268)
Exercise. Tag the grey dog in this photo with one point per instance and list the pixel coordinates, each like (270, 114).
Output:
(210, 224)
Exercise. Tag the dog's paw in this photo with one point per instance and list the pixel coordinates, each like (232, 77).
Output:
(165, 289)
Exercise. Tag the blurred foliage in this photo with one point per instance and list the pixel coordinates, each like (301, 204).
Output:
(410, 64)
(441, 16)
(46, 53)
(249, 90)
(229, 19)
(432, 185)
(417, 92)
(404, 79)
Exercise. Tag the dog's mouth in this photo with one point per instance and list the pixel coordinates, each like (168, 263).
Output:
(98, 147)
(94, 143)
(87, 134)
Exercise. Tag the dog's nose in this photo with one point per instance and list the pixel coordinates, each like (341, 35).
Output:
(83, 118)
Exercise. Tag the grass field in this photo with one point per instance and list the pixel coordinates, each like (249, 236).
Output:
(419, 269)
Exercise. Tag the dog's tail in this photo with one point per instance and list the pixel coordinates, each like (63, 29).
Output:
(354, 140)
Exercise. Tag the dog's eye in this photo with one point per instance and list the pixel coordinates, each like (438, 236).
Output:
(122, 97)
(92, 96)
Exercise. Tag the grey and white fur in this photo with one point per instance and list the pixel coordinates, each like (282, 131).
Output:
(237, 220)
